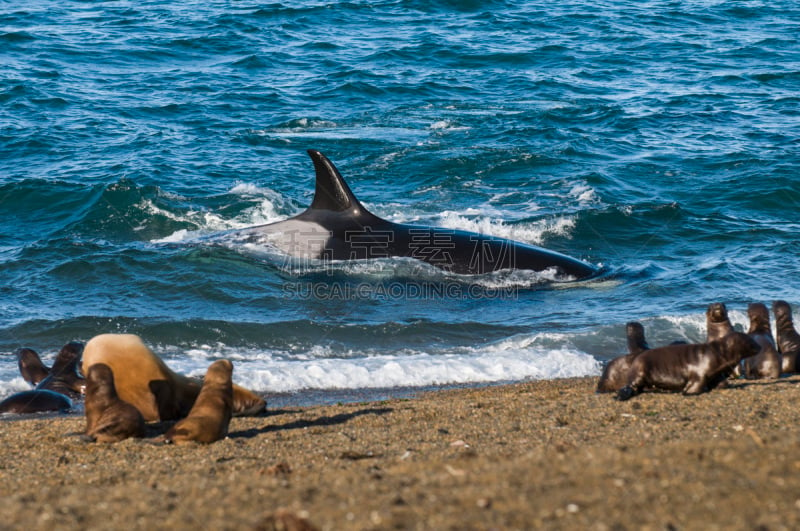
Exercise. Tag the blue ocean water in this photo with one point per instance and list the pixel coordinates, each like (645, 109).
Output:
(659, 140)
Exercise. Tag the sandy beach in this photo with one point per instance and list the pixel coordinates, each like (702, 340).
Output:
(546, 454)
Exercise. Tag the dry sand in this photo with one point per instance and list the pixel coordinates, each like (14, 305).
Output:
(548, 454)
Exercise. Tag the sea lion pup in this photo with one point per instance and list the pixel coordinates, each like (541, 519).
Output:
(144, 380)
(209, 418)
(636, 340)
(30, 366)
(767, 363)
(718, 325)
(284, 520)
(63, 376)
(615, 373)
(35, 401)
(788, 338)
(108, 419)
(691, 369)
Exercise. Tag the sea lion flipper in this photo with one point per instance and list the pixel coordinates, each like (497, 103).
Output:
(695, 387)
(246, 403)
(626, 393)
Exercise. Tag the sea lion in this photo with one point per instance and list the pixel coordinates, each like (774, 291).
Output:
(718, 325)
(30, 366)
(767, 363)
(691, 369)
(788, 338)
(144, 380)
(35, 401)
(284, 520)
(635, 335)
(209, 418)
(63, 376)
(615, 373)
(108, 419)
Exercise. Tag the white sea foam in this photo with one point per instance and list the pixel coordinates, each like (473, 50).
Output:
(583, 194)
(322, 367)
(531, 232)
(11, 382)
(175, 237)
(250, 189)
(446, 126)
(323, 132)
(268, 208)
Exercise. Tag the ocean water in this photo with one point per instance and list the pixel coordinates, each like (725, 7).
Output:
(658, 140)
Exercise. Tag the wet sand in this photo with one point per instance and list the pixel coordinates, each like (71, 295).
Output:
(550, 454)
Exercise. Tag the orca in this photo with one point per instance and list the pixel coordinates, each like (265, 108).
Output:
(337, 227)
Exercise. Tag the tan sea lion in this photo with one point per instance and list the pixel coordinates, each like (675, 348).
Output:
(788, 338)
(615, 373)
(209, 418)
(108, 419)
(144, 380)
(691, 369)
(30, 366)
(718, 325)
(35, 401)
(63, 377)
(767, 363)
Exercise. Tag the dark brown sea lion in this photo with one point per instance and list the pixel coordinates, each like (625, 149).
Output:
(108, 419)
(691, 369)
(718, 324)
(30, 366)
(144, 380)
(788, 338)
(767, 363)
(63, 376)
(211, 414)
(636, 340)
(35, 401)
(615, 373)
(284, 520)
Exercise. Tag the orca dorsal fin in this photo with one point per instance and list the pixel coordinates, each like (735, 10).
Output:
(331, 192)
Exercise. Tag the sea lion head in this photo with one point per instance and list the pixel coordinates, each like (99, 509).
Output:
(68, 358)
(30, 365)
(64, 377)
(634, 329)
(717, 312)
(100, 384)
(740, 344)
(636, 340)
(782, 311)
(219, 372)
(219, 376)
(759, 317)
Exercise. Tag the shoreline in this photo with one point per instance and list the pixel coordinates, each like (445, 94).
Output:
(303, 398)
(539, 454)
(330, 397)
